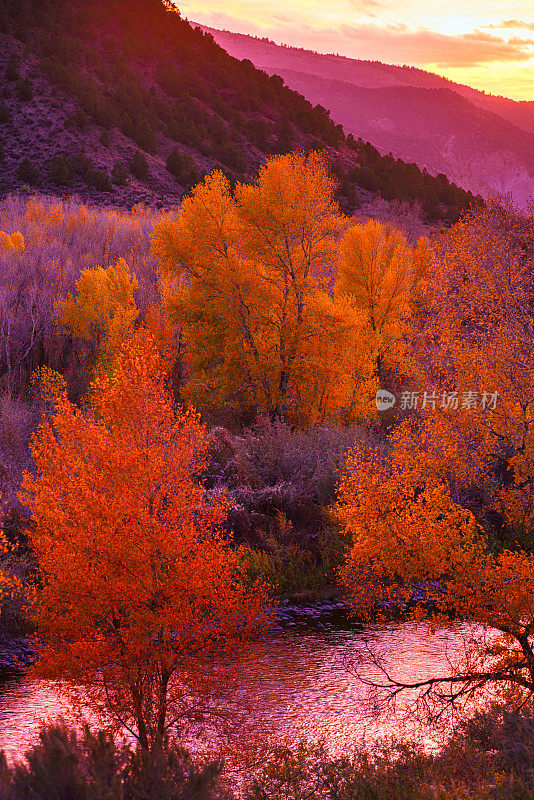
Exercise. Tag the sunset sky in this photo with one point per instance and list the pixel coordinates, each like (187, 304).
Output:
(488, 44)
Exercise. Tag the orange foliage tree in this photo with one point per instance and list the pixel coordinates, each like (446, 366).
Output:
(285, 309)
(379, 272)
(140, 594)
(251, 272)
(448, 501)
(104, 309)
(11, 242)
(409, 531)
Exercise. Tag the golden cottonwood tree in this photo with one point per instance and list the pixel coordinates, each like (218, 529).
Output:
(11, 242)
(250, 273)
(139, 592)
(378, 270)
(336, 380)
(104, 308)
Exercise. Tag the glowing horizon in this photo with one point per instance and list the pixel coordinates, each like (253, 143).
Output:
(482, 43)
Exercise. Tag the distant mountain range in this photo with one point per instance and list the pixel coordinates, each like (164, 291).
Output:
(482, 142)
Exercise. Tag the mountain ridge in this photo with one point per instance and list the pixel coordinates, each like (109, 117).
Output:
(453, 129)
(354, 71)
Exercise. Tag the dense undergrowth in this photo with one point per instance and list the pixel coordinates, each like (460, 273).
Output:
(491, 757)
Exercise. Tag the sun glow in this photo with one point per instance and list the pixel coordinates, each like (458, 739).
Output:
(488, 45)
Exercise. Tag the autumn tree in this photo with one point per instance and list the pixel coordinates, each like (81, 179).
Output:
(251, 270)
(336, 380)
(104, 308)
(48, 386)
(448, 501)
(409, 531)
(474, 333)
(378, 271)
(11, 242)
(140, 595)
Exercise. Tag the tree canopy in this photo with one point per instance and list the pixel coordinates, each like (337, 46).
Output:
(139, 592)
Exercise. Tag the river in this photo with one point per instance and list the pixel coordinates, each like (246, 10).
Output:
(295, 683)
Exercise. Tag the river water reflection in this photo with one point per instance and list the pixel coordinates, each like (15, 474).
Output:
(294, 684)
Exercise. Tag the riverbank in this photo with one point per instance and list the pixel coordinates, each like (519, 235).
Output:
(322, 608)
(17, 653)
(490, 757)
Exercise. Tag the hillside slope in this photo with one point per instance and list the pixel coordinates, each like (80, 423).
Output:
(127, 102)
(480, 141)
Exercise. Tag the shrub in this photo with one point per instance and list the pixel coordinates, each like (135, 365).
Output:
(292, 567)
(25, 89)
(431, 206)
(272, 466)
(78, 766)
(183, 167)
(184, 129)
(259, 132)
(217, 130)
(284, 139)
(119, 174)
(28, 172)
(81, 120)
(59, 171)
(80, 164)
(126, 125)
(105, 139)
(139, 165)
(98, 179)
(307, 771)
(366, 178)
(5, 114)
(231, 155)
(144, 136)
(12, 72)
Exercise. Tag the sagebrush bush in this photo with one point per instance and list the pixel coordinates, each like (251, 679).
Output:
(67, 765)
(273, 467)
(490, 757)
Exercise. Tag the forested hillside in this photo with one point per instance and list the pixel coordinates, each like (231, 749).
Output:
(127, 102)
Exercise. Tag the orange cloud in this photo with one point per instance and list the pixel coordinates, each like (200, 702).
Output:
(517, 24)
(394, 43)
(425, 46)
